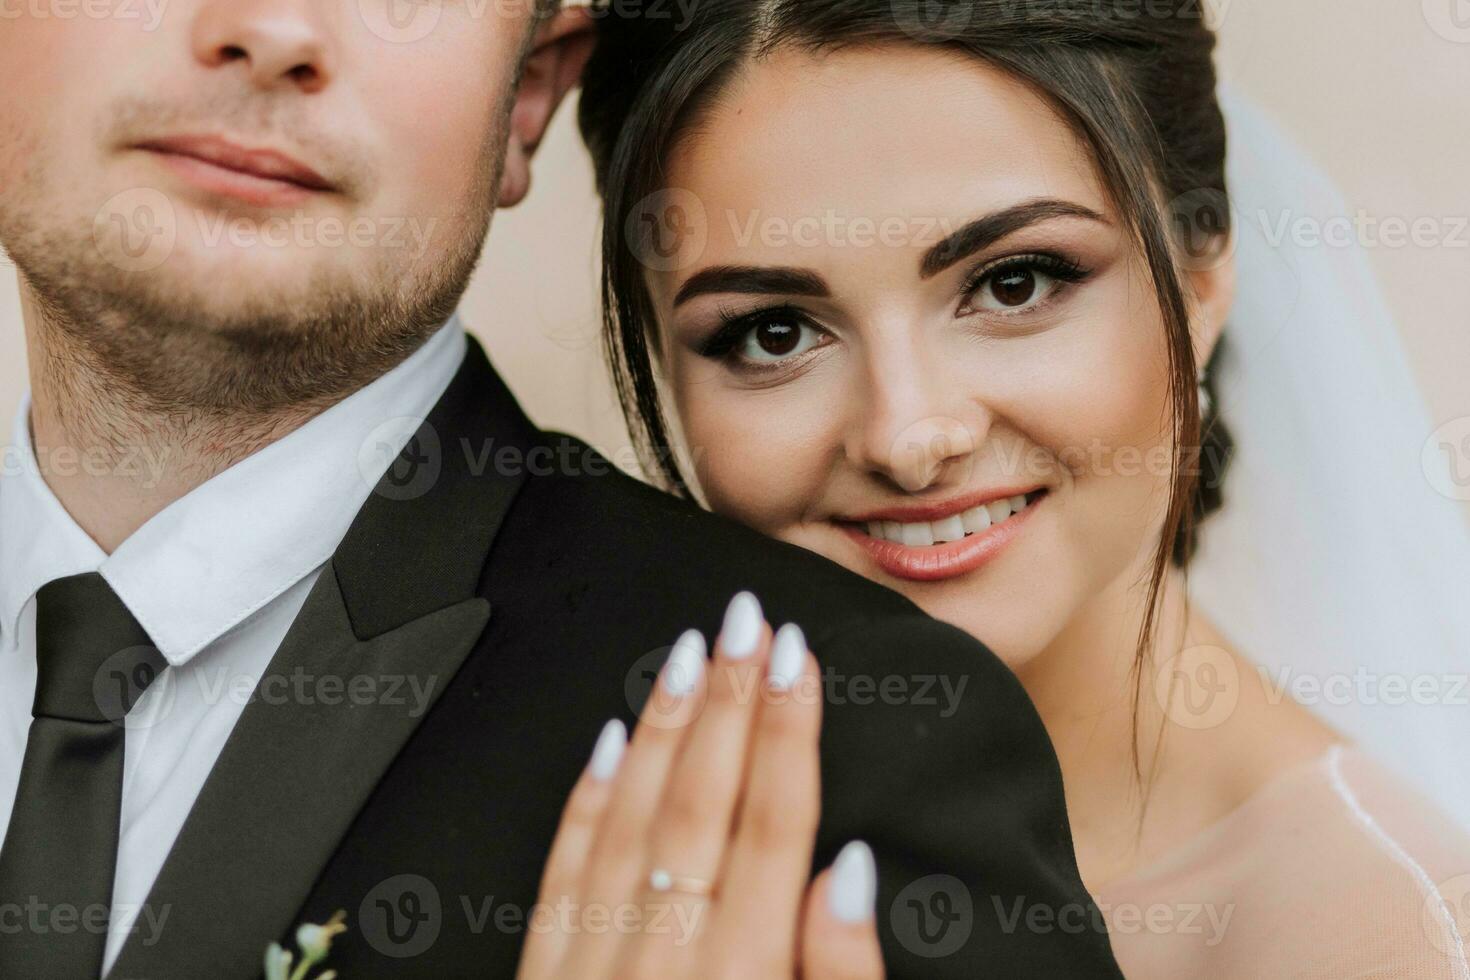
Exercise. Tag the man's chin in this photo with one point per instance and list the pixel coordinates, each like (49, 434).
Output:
(176, 237)
(226, 283)
(187, 316)
(174, 301)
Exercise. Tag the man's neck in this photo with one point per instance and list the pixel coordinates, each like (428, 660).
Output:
(113, 461)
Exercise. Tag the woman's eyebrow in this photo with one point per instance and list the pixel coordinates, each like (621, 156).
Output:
(991, 228)
(752, 279)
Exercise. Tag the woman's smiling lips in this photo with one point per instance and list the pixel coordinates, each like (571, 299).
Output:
(940, 541)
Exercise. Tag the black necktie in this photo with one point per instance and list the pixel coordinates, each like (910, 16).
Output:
(93, 661)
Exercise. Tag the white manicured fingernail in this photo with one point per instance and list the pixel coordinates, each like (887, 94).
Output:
(741, 631)
(608, 751)
(854, 885)
(788, 654)
(685, 664)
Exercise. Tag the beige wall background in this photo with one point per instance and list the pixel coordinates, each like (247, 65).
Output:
(1377, 92)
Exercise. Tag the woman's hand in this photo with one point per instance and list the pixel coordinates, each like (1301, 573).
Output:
(686, 852)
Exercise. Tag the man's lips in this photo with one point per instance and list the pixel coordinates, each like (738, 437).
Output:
(260, 176)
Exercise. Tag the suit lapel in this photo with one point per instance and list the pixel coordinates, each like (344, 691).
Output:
(292, 777)
(396, 607)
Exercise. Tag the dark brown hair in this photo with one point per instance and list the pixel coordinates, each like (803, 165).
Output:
(1135, 78)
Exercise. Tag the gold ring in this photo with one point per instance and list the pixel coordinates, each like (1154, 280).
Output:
(660, 880)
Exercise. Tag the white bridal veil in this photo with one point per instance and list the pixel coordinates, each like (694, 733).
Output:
(1340, 562)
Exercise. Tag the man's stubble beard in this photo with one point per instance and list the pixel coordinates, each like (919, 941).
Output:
(161, 351)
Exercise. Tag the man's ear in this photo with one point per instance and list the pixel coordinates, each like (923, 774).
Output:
(559, 52)
(1213, 286)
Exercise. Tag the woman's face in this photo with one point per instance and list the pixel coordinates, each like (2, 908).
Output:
(908, 309)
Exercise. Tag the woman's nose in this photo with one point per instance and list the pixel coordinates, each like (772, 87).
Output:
(906, 438)
(923, 452)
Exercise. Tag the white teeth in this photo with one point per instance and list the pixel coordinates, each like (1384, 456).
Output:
(976, 519)
(953, 528)
(949, 529)
(917, 535)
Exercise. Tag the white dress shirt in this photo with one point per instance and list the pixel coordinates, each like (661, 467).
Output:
(216, 579)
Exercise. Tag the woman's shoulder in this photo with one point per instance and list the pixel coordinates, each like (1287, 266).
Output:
(1336, 867)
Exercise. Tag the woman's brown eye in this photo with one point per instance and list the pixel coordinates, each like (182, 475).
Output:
(778, 339)
(1015, 287)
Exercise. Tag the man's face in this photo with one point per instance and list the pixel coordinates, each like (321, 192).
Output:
(252, 171)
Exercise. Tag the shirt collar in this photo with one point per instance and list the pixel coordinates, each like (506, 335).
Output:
(211, 559)
(39, 541)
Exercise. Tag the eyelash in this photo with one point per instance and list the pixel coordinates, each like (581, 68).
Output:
(734, 327)
(1065, 271)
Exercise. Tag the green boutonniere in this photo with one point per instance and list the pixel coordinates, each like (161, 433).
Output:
(315, 942)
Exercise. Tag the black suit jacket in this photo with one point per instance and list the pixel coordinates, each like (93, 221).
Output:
(504, 592)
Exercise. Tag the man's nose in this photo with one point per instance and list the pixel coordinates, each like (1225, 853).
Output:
(279, 43)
